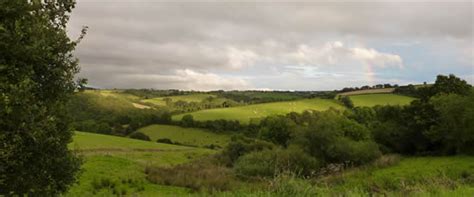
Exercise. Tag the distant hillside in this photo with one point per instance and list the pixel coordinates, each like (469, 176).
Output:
(245, 113)
(369, 100)
(368, 91)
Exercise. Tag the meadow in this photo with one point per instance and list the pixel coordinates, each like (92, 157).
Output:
(195, 97)
(115, 165)
(369, 100)
(368, 91)
(185, 136)
(245, 114)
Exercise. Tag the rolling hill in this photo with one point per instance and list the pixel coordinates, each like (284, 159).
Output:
(185, 136)
(245, 113)
(369, 100)
(116, 165)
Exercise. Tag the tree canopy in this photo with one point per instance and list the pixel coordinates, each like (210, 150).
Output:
(37, 71)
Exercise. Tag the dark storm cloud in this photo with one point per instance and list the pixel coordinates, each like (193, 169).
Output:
(176, 45)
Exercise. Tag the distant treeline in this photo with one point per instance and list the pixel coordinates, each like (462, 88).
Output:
(367, 87)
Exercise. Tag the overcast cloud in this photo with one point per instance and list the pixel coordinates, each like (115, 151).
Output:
(267, 45)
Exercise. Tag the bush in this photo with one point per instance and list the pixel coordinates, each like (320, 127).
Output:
(346, 101)
(240, 145)
(333, 138)
(344, 150)
(140, 136)
(187, 120)
(277, 129)
(164, 140)
(268, 163)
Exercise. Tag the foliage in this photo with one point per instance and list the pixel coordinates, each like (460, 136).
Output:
(187, 120)
(240, 145)
(439, 123)
(269, 163)
(333, 138)
(140, 136)
(276, 129)
(346, 101)
(37, 69)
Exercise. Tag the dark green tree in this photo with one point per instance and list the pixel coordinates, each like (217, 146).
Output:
(347, 102)
(187, 120)
(37, 71)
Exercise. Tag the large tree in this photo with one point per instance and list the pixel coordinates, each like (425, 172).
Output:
(37, 71)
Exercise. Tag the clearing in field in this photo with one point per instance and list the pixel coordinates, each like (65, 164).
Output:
(246, 113)
(188, 98)
(370, 100)
(186, 136)
(115, 165)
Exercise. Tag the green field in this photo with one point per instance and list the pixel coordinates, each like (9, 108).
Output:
(368, 91)
(426, 176)
(188, 98)
(122, 161)
(370, 100)
(113, 100)
(187, 136)
(245, 113)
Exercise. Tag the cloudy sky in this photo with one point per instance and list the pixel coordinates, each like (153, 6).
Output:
(208, 45)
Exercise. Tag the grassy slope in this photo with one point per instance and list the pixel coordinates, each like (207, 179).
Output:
(188, 98)
(427, 176)
(113, 100)
(380, 99)
(123, 160)
(188, 136)
(245, 113)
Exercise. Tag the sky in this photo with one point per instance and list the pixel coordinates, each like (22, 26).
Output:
(271, 45)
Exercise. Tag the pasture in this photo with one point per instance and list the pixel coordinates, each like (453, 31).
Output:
(424, 176)
(246, 113)
(368, 91)
(188, 98)
(115, 165)
(369, 100)
(185, 136)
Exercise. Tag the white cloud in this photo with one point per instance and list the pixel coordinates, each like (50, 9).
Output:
(186, 79)
(334, 53)
(240, 58)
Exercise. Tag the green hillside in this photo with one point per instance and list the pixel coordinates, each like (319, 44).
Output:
(187, 136)
(424, 176)
(188, 98)
(245, 113)
(380, 99)
(115, 165)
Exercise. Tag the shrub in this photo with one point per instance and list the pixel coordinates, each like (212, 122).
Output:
(240, 145)
(140, 136)
(277, 129)
(272, 162)
(187, 120)
(333, 138)
(164, 140)
(344, 150)
(346, 101)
